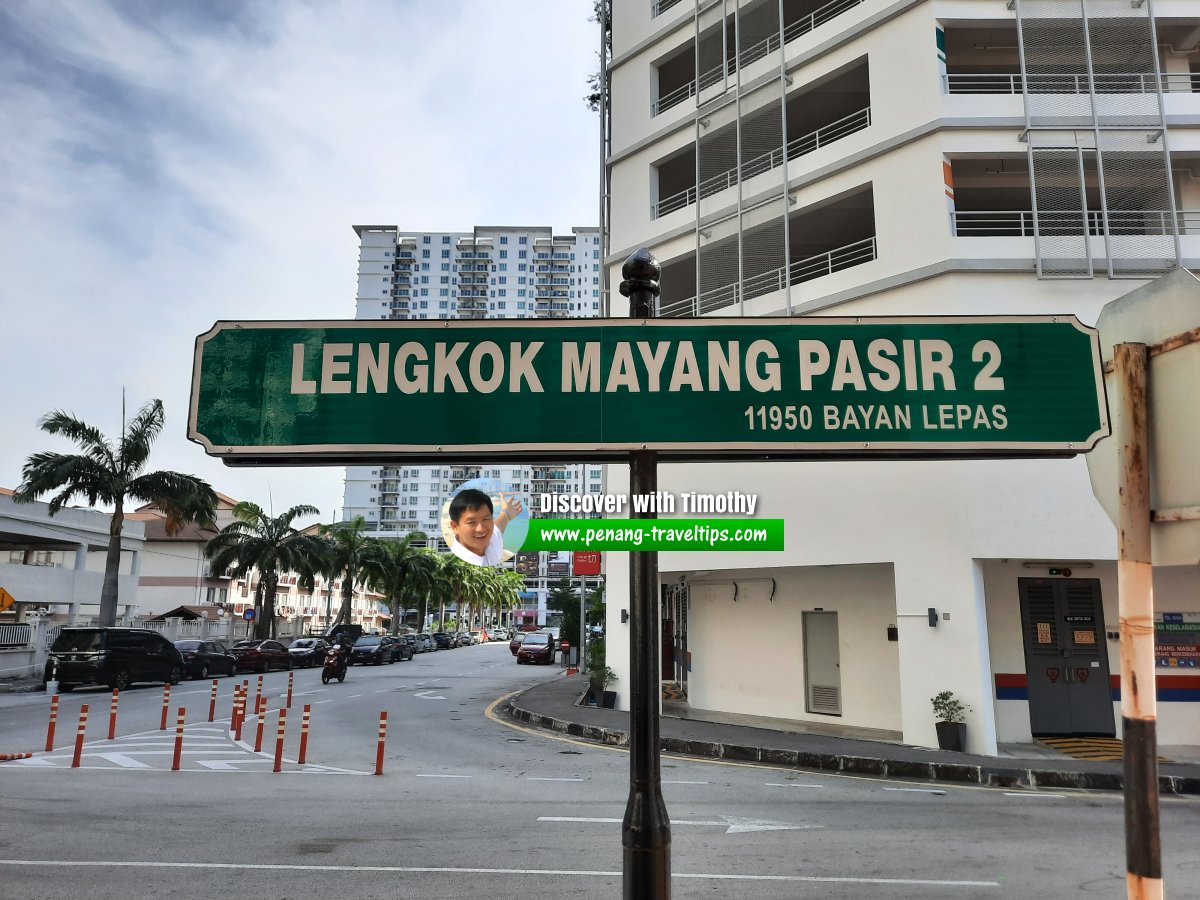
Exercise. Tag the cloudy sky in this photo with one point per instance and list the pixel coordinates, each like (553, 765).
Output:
(168, 163)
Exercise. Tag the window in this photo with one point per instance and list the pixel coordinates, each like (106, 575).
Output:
(425, 239)
(445, 267)
(443, 292)
(522, 240)
(425, 254)
(503, 254)
(522, 254)
(445, 238)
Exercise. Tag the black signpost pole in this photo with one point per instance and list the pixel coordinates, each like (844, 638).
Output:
(646, 830)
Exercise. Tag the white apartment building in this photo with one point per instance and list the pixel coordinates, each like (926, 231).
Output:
(906, 157)
(489, 272)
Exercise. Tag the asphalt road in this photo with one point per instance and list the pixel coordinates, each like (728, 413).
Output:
(471, 805)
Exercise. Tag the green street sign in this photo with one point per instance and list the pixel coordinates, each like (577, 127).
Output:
(595, 389)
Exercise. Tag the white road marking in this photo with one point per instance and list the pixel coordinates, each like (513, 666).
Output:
(917, 790)
(306, 693)
(352, 696)
(793, 784)
(428, 695)
(465, 870)
(731, 824)
(1027, 794)
(538, 778)
(423, 775)
(127, 762)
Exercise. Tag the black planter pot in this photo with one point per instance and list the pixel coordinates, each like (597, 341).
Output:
(951, 735)
(608, 699)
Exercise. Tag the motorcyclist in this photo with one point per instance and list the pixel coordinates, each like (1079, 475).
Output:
(341, 651)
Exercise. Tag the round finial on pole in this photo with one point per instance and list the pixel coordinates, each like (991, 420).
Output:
(641, 273)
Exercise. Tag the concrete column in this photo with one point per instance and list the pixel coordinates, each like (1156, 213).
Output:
(953, 655)
(81, 554)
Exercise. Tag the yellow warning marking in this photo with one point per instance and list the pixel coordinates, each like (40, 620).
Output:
(1094, 748)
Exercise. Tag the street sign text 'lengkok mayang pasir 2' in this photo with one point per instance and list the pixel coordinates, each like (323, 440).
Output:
(589, 389)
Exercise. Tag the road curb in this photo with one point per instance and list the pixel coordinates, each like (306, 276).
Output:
(1000, 774)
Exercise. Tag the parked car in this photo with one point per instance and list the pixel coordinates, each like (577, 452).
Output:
(427, 641)
(415, 646)
(442, 640)
(402, 648)
(372, 648)
(308, 651)
(116, 657)
(538, 647)
(262, 656)
(464, 639)
(202, 658)
(515, 644)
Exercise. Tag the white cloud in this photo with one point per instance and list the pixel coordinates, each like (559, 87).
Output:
(168, 165)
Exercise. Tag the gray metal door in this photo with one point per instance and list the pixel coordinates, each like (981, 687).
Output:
(822, 663)
(1066, 658)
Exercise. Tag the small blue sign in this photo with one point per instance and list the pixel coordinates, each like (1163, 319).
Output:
(248, 615)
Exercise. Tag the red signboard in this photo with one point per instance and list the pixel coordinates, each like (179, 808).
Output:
(586, 562)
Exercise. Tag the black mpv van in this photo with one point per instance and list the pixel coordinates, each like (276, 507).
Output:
(116, 657)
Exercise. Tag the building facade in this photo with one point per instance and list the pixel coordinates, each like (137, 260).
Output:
(488, 272)
(864, 157)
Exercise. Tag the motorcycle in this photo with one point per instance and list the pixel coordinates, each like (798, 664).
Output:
(336, 662)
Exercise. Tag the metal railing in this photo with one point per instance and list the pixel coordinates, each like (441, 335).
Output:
(658, 7)
(753, 53)
(796, 148)
(1020, 223)
(775, 280)
(16, 635)
(1070, 83)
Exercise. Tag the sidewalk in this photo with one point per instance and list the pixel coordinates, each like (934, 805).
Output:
(552, 706)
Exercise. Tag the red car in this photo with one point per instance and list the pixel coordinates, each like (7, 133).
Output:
(259, 656)
(515, 644)
(538, 646)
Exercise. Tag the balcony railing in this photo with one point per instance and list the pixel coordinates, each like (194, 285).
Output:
(807, 143)
(1020, 222)
(753, 53)
(776, 280)
(658, 7)
(1070, 83)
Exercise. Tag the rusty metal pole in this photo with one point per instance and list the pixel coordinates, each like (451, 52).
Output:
(1135, 591)
(646, 829)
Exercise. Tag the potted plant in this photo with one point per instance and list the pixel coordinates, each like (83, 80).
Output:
(951, 721)
(600, 675)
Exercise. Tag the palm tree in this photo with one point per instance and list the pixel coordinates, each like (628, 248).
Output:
(347, 548)
(447, 583)
(399, 570)
(270, 545)
(112, 475)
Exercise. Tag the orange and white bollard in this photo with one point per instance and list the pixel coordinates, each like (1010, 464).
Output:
(291, 676)
(382, 742)
(261, 713)
(212, 702)
(258, 692)
(162, 726)
(279, 740)
(53, 721)
(112, 715)
(304, 734)
(179, 717)
(239, 712)
(83, 714)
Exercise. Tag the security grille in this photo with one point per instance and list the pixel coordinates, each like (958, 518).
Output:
(1093, 108)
